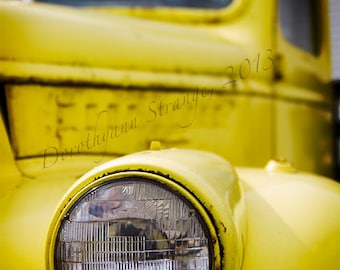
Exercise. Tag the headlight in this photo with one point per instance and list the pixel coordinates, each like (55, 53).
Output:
(132, 223)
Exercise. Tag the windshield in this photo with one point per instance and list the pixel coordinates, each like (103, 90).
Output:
(212, 4)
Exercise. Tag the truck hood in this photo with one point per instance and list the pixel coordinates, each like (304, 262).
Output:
(61, 36)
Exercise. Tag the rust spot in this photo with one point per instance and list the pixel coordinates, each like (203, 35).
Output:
(112, 106)
(132, 106)
(91, 105)
(214, 240)
(224, 227)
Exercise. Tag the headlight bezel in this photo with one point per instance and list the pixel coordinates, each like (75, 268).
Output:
(82, 188)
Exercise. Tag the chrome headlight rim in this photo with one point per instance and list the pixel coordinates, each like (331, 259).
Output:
(82, 188)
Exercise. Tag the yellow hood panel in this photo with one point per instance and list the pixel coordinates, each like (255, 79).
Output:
(38, 33)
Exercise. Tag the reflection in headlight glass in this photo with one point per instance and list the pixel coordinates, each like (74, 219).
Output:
(132, 224)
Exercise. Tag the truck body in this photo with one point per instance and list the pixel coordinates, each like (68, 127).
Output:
(219, 89)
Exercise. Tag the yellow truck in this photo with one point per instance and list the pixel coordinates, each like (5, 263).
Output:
(167, 135)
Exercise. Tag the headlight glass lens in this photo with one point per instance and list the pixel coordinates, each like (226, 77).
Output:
(132, 224)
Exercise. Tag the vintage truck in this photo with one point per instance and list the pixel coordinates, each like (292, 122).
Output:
(167, 135)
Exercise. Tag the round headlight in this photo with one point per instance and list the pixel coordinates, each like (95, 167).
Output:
(132, 223)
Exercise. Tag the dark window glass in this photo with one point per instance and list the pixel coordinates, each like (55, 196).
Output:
(300, 22)
(144, 3)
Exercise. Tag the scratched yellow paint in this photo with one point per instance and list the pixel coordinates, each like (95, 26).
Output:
(83, 87)
(71, 121)
(122, 66)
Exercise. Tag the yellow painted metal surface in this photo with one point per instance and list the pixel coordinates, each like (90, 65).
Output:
(10, 175)
(123, 56)
(304, 102)
(41, 201)
(197, 176)
(27, 210)
(116, 42)
(123, 62)
(303, 136)
(193, 58)
(107, 121)
(293, 220)
(81, 87)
